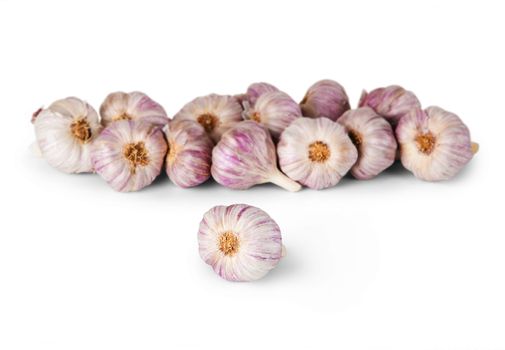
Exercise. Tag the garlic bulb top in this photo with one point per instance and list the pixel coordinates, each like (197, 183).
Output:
(316, 152)
(326, 98)
(64, 132)
(434, 144)
(216, 113)
(245, 157)
(132, 106)
(129, 154)
(240, 242)
(255, 90)
(189, 153)
(374, 139)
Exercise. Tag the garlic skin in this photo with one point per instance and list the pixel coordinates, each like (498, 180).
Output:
(255, 90)
(189, 153)
(216, 113)
(276, 110)
(391, 102)
(245, 157)
(316, 152)
(240, 242)
(434, 144)
(374, 139)
(132, 106)
(65, 131)
(325, 98)
(129, 154)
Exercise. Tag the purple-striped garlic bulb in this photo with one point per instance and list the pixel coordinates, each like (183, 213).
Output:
(434, 144)
(374, 139)
(132, 106)
(65, 131)
(216, 113)
(391, 102)
(245, 157)
(129, 154)
(240, 242)
(255, 90)
(276, 110)
(326, 98)
(316, 152)
(189, 153)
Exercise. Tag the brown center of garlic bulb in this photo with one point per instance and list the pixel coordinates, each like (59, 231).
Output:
(81, 130)
(122, 116)
(136, 154)
(256, 117)
(425, 142)
(229, 243)
(319, 152)
(208, 121)
(356, 138)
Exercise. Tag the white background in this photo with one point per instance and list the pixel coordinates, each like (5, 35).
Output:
(391, 263)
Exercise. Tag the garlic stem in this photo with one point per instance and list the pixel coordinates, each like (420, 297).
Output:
(475, 147)
(283, 251)
(285, 182)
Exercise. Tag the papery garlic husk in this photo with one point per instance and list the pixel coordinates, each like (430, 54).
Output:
(64, 132)
(434, 144)
(245, 157)
(276, 110)
(326, 98)
(189, 153)
(255, 90)
(391, 102)
(240, 242)
(374, 139)
(129, 154)
(216, 113)
(132, 106)
(316, 152)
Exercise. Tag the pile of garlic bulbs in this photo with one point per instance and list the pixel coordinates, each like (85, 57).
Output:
(257, 137)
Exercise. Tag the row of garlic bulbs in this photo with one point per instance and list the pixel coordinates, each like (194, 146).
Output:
(243, 140)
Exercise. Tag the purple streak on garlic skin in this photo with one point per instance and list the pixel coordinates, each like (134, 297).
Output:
(129, 154)
(189, 153)
(326, 98)
(276, 110)
(245, 157)
(434, 144)
(239, 242)
(255, 90)
(374, 139)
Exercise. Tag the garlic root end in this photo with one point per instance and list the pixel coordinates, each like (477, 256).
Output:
(475, 147)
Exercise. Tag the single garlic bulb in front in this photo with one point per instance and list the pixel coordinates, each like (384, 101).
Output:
(132, 106)
(64, 132)
(240, 242)
(216, 113)
(326, 98)
(189, 153)
(316, 152)
(276, 110)
(255, 90)
(434, 144)
(374, 139)
(129, 154)
(245, 157)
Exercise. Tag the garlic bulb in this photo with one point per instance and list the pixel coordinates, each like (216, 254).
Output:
(326, 98)
(240, 242)
(255, 90)
(434, 144)
(216, 113)
(276, 110)
(374, 139)
(129, 154)
(189, 153)
(316, 152)
(392, 102)
(245, 157)
(64, 132)
(132, 106)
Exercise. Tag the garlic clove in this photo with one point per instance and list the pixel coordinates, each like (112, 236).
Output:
(240, 242)
(276, 110)
(245, 156)
(325, 98)
(216, 113)
(64, 133)
(189, 153)
(316, 152)
(255, 90)
(434, 144)
(374, 139)
(129, 154)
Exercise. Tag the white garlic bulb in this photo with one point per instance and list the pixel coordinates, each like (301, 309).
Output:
(64, 132)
